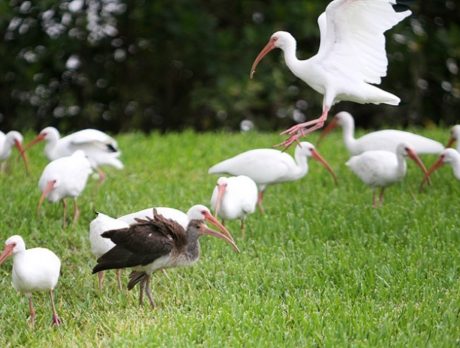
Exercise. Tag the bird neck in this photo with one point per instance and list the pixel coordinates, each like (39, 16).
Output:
(290, 57)
(192, 251)
(348, 132)
(302, 165)
(402, 165)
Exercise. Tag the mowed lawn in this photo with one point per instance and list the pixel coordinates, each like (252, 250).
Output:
(320, 268)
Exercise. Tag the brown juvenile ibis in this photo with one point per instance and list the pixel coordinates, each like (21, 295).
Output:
(153, 244)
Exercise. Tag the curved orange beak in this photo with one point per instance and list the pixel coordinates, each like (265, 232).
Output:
(48, 188)
(326, 165)
(220, 196)
(204, 230)
(37, 139)
(23, 155)
(208, 217)
(333, 124)
(413, 156)
(451, 141)
(268, 47)
(6, 252)
(436, 165)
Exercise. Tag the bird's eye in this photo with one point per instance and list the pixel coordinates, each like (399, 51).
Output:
(275, 38)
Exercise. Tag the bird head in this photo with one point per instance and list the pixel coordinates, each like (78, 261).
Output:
(408, 151)
(48, 133)
(15, 138)
(447, 156)
(198, 228)
(454, 135)
(280, 39)
(202, 213)
(307, 149)
(13, 245)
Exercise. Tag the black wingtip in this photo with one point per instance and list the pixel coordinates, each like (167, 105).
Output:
(402, 5)
(111, 148)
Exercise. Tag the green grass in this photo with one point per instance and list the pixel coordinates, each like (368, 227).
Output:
(321, 268)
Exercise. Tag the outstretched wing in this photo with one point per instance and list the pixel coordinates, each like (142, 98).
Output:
(352, 36)
(141, 243)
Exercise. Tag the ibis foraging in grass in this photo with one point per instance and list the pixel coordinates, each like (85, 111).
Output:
(270, 166)
(35, 269)
(7, 141)
(351, 58)
(454, 137)
(387, 140)
(153, 244)
(100, 245)
(383, 168)
(65, 177)
(234, 198)
(100, 148)
(449, 156)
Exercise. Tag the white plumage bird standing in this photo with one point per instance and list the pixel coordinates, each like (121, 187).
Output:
(100, 245)
(351, 56)
(383, 168)
(234, 198)
(65, 177)
(35, 269)
(100, 148)
(386, 140)
(268, 166)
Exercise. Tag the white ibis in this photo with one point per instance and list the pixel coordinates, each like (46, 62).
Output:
(454, 137)
(35, 269)
(100, 148)
(387, 140)
(383, 168)
(7, 141)
(153, 244)
(234, 198)
(351, 58)
(100, 245)
(269, 166)
(65, 177)
(449, 156)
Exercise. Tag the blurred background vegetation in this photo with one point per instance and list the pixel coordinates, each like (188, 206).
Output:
(121, 65)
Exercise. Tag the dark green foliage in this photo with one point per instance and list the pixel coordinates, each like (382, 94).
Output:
(185, 64)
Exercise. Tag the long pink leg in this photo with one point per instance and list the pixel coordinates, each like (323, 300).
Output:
(56, 320)
(76, 212)
(120, 287)
(100, 278)
(32, 312)
(260, 198)
(64, 203)
(102, 176)
(382, 190)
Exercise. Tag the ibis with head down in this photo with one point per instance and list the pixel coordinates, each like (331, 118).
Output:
(383, 168)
